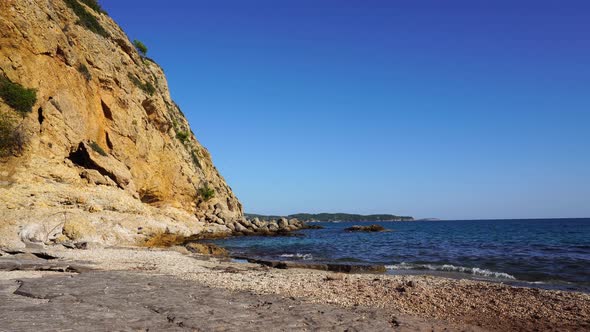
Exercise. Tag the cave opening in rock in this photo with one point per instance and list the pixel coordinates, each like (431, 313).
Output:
(149, 196)
(40, 116)
(80, 157)
(60, 54)
(106, 110)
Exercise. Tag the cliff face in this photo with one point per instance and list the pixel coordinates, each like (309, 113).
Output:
(104, 148)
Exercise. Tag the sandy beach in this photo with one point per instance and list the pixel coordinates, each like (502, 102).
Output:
(114, 289)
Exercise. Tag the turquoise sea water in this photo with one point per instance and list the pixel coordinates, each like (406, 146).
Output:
(548, 253)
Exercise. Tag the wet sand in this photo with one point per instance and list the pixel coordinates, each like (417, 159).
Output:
(244, 296)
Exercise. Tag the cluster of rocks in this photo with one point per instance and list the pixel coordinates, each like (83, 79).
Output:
(254, 226)
(342, 268)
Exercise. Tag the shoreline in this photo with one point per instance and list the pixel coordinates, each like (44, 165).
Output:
(386, 270)
(418, 302)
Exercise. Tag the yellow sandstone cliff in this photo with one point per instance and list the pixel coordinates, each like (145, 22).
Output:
(104, 155)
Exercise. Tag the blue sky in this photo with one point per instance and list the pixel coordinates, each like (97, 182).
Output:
(449, 109)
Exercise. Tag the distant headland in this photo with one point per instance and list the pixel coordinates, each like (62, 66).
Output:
(335, 217)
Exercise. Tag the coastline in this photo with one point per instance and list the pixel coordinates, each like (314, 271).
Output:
(406, 302)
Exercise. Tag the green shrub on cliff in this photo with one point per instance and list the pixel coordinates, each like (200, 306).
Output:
(140, 47)
(85, 18)
(147, 86)
(97, 148)
(16, 96)
(182, 136)
(84, 71)
(7, 135)
(206, 193)
(94, 5)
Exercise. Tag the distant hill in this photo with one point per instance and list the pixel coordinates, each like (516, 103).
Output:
(333, 217)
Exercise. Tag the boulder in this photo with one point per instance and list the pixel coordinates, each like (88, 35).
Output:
(245, 222)
(240, 228)
(273, 227)
(282, 223)
(78, 229)
(94, 177)
(207, 249)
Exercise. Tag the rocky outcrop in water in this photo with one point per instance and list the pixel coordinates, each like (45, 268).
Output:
(370, 228)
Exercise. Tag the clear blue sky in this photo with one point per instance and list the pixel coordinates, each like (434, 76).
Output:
(449, 109)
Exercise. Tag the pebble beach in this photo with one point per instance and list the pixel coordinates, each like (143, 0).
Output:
(395, 301)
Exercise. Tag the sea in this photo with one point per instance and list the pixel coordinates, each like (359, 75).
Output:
(543, 253)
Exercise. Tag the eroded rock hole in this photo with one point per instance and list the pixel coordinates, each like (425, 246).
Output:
(40, 116)
(106, 110)
(60, 54)
(109, 143)
(149, 196)
(81, 157)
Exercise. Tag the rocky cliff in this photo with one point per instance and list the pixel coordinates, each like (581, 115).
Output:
(103, 154)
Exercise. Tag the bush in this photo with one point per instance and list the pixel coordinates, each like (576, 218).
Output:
(84, 71)
(16, 96)
(94, 5)
(195, 158)
(206, 193)
(86, 19)
(97, 148)
(8, 137)
(140, 47)
(147, 86)
(182, 136)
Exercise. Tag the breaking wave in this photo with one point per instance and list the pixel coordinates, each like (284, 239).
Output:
(305, 257)
(452, 268)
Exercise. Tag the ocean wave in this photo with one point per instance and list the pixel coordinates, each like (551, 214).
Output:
(305, 257)
(452, 268)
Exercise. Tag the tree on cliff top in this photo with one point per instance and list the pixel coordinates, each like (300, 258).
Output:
(140, 47)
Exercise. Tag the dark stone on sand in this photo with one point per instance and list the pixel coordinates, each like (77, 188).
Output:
(347, 268)
(344, 268)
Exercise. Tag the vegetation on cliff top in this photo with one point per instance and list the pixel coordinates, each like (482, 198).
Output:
(141, 48)
(94, 5)
(85, 18)
(331, 217)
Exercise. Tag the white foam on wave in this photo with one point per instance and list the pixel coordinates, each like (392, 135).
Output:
(451, 268)
(305, 257)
